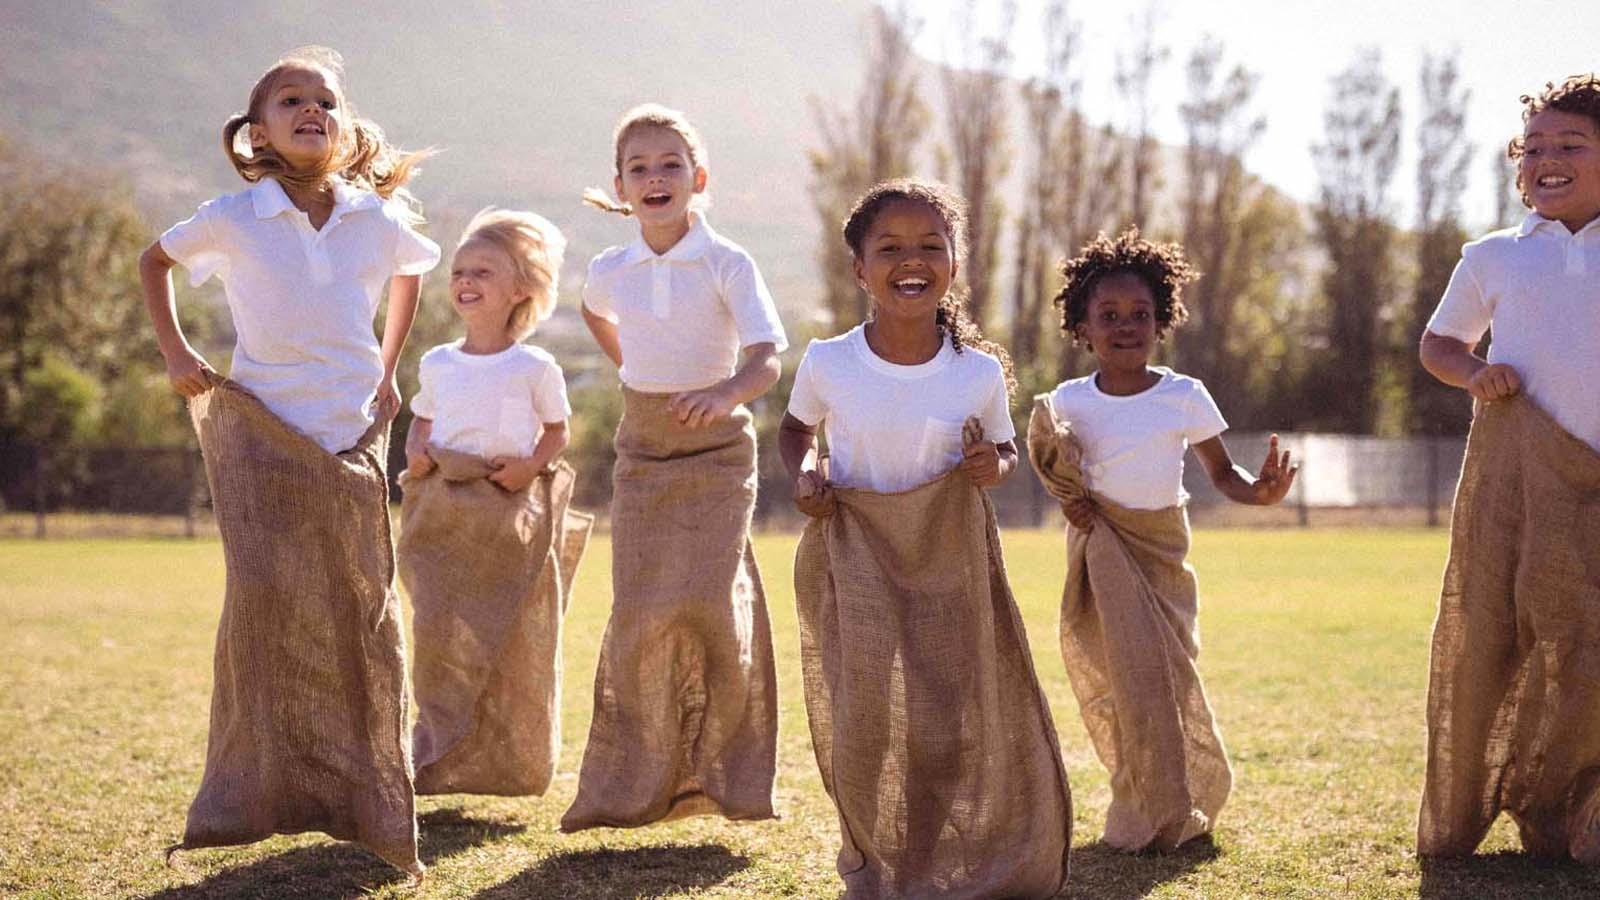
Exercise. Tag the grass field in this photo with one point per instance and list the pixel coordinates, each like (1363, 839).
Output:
(1315, 651)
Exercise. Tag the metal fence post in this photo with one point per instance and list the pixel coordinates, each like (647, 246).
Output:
(1302, 507)
(1433, 481)
(38, 493)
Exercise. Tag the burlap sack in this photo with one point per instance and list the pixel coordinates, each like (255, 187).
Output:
(1514, 685)
(1129, 637)
(308, 709)
(489, 574)
(685, 695)
(933, 737)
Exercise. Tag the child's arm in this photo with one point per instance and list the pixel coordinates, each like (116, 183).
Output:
(759, 373)
(403, 293)
(418, 462)
(797, 445)
(605, 334)
(187, 370)
(1452, 361)
(517, 472)
(985, 462)
(1236, 484)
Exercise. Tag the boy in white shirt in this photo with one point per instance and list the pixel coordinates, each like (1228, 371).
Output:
(1511, 696)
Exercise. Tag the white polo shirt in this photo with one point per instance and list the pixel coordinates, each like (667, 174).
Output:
(684, 315)
(303, 300)
(490, 404)
(892, 427)
(1538, 287)
(1133, 445)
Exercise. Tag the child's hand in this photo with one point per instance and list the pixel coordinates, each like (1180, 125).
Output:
(813, 495)
(1494, 382)
(1080, 513)
(387, 404)
(513, 473)
(699, 408)
(1276, 477)
(188, 372)
(980, 459)
(418, 462)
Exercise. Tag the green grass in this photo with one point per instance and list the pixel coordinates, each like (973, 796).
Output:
(1315, 653)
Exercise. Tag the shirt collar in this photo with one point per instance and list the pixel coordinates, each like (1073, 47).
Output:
(271, 200)
(1533, 222)
(691, 246)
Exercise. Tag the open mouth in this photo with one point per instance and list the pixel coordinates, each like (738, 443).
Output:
(910, 287)
(1127, 345)
(310, 128)
(1554, 181)
(657, 199)
(467, 298)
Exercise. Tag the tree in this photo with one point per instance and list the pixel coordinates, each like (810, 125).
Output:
(1134, 74)
(1443, 154)
(975, 86)
(1356, 165)
(878, 140)
(1217, 192)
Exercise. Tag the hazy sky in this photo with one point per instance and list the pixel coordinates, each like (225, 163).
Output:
(1505, 49)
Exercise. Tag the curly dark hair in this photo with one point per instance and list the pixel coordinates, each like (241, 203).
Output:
(1579, 95)
(1162, 267)
(951, 316)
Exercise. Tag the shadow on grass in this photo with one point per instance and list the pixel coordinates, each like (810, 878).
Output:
(638, 873)
(1507, 875)
(341, 871)
(1102, 872)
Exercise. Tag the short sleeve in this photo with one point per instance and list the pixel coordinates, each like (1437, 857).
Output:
(1464, 313)
(1202, 419)
(755, 316)
(595, 298)
(423, 405)
(550, 395)
(805, 401)
(192, 243)
(414, 253)
(996, 415)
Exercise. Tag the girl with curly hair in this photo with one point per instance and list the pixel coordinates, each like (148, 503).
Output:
(932, 735)
(1110, 447)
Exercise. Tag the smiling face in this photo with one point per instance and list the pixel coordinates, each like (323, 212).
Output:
(301, 117)
(906, 261)
(658, 177)
(1121, 325)
(483, 285)
(1560, 167)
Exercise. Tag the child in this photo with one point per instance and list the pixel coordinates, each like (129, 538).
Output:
(308, 714)
(1110, 447)
(685, 713)
(1512, 687)
(933, 737)
(486, 557)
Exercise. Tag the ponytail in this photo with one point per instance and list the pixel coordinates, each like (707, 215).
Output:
(601, 200)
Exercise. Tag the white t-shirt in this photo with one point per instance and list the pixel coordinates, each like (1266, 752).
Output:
(684, 315)
(1133, 446)
(1538, 286)
(303, 300)
(490, 404)
(892, 427)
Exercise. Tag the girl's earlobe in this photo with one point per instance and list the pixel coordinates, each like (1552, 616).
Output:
(700, 178)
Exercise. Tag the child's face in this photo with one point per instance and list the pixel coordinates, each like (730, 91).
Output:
(907, 262)
(1560, 167)
(483, 285)
(302, 117)
(1121, 325)
(657, 178)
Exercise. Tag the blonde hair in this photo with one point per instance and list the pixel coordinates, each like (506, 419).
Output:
(648, 115)
(535, 246)
(362, 156)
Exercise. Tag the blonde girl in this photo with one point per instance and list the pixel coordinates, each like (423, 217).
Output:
(685, 718)
(308, 709)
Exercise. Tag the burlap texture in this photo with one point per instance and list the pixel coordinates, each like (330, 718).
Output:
(489, 574)
(933, 736)
(1514, 683)
(685, 695)
(1130, 639)
(308, 709)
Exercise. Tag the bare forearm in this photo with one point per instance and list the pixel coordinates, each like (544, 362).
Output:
(605, 334)
(403, 293)
(551, 443)
(418, 435)
(1448, 359)
(155, 276)
(761, 370)
(1237, 484)
(797, 446)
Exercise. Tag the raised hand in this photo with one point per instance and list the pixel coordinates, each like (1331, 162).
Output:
(1276, 476)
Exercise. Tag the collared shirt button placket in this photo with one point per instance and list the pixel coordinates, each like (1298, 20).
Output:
(661, 288)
